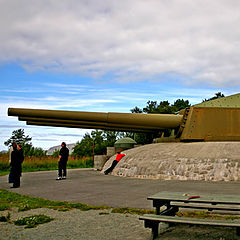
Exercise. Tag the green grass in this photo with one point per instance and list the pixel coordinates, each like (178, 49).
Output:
(205, 214)
(126, 210)
(3, 173)
(32, 164)
(33, 221)
(9, 200)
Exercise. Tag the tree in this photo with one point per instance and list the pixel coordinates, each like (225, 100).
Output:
(164, 107)
(180, 104)
(110, 137)
(19, 137)
(84, 147)
(136, 110)
(152, 107)
(56, 153)
(100, 139)
(99, 144)
(217, 95)
(38, 152)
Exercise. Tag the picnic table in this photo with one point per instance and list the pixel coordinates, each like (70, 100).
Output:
(193, 200)
(172, 201)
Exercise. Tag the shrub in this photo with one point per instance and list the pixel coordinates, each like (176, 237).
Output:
(33, 221)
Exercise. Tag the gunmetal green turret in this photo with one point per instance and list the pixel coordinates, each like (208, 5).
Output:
(216, 120)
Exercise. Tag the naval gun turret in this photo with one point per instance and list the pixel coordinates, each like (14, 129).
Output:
(215, 120)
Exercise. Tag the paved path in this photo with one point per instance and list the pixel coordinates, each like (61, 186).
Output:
(92, 187)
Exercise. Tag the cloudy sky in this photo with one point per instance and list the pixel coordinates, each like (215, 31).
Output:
(111, 56)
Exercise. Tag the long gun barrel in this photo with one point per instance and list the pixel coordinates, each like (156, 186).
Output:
(215, 120)
(148, 122)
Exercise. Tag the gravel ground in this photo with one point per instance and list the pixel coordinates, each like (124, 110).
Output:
(76, 224)
(103, 225)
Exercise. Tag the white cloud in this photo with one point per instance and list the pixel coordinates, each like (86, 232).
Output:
(198, 40)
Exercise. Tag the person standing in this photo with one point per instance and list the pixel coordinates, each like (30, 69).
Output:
(115, 162)
(15, 166)
(21, 155)
(10, 178)
(62, 162)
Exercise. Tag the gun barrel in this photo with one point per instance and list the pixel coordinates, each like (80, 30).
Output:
(109, 128)
(86, 123)
(154, 121)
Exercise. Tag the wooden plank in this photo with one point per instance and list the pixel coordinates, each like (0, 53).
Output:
(206, 206)
(204, 198)
(188, 220)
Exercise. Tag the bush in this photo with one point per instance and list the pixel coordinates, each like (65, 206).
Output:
(33, 221)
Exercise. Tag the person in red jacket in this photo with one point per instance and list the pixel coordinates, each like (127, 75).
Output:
(115, 162)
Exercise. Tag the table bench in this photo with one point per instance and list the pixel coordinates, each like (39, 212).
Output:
(172, 201)
(152, 221)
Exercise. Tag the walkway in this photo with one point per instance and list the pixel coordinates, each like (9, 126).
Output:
(93, 188)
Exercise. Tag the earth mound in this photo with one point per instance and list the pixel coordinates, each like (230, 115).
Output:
(209, 161)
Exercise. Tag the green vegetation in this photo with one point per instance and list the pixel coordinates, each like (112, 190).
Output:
(217, 95)
(96, 142)
(33, 221)
(31, 164)
(126, 210)
(4, 164)
(9, 200)
(5, 218)
(163, 107)
(19, 137)
(205, 214)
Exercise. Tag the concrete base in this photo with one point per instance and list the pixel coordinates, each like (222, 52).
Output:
(99, 161)
(208, 161)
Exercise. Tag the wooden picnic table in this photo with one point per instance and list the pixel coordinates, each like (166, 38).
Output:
(194, 200)
(172, 201)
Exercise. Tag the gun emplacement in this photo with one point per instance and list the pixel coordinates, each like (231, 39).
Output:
(216, 120)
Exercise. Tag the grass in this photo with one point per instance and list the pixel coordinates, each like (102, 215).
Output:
(33, 221)
(206, 215)
(5, 218)
(126, 210)
(2, 173)
(10, 200)
(31, 164)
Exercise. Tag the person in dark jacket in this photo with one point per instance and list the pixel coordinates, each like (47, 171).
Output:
(15, 166)
(10, 178)
(62, 161)
(21, 155)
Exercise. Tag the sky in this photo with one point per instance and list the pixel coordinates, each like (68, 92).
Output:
(110, 56)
